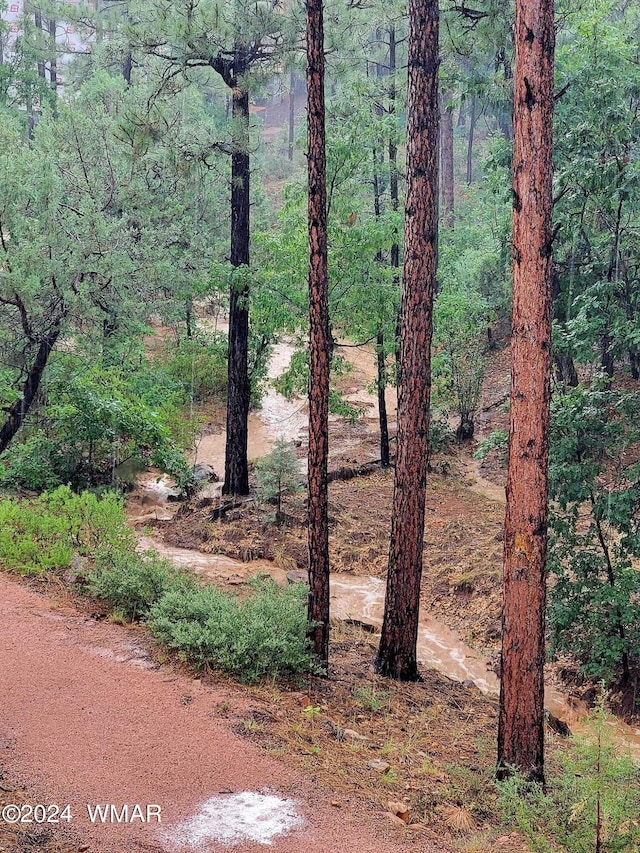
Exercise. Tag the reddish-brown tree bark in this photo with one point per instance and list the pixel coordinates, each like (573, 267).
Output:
(397, 652)
(319, 336)
(521, 721)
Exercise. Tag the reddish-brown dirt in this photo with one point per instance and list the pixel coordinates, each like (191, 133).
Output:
(88, 716)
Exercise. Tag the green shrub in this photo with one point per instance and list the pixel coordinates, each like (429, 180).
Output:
(264, 635)
(44, 534)
(594, 548)
(591, 803)
(441, 435)
(497, 441)
(133, 582)
(29, 464)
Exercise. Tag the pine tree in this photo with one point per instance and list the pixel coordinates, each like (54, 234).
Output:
(397, 652)
(521, 721)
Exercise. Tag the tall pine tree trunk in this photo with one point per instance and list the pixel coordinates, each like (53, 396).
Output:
(446, 161)
(37, 18)
(319, 336)
(397, 651)
(292, 113)
(472, 128)
(381, 371)
(521, 719)
(393, 173)
(236, 468)
(53, 61)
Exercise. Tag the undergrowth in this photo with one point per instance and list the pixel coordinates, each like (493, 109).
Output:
(44, 533)
(265, 634)
(592, 800)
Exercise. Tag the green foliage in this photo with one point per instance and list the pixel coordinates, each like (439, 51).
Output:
(591, 802)
(597, 132)
(133, 582)
(496, 442)
(29, 464)
(44, 533)
(295, 381)
(372, 699)
(199, 365)
(440, 433)
(472, 270)
(264, 635)
(278, 475)
(93, 419)
(594, 547)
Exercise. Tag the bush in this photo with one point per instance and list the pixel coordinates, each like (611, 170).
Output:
(591, 803)
(91, 420)
(132, 582)
(44, 534)
(28, 464)
(594, 607)
(264, 635)
(498, 442)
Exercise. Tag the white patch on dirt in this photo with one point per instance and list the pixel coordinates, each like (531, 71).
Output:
(236, 818)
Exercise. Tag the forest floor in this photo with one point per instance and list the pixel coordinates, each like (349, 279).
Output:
(98, 712)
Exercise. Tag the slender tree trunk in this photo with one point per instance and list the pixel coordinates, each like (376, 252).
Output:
(397, 651)
(292, 112)
(18, 411)
(53, 62)
(127, 67)
(393, 175)
(606, 354)
(472, 128)
(521, 718)
(382, 402)
(565, 366)
(188, 315)
(37, 17)
(236, 468)
(448, 216)
(381, 381)
(319, 336)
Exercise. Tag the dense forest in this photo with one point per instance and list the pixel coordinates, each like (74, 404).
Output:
(187, 187)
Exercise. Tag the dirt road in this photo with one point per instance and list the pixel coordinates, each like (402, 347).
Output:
(87, 718)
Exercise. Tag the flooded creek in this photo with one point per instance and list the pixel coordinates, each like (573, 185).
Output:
(356, 598)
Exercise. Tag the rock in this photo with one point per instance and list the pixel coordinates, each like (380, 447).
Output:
(204, 473)
(394, 819)
(378, 765)
(298, 577)
(77, 570)
(399, 809)
(557, 725)
(468, 684)
(336, 804)
(351, 735)
(236, 580)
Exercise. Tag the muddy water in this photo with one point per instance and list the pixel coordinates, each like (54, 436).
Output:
(278, 418)
(352, 598)
(361, 599)
(357, 598)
